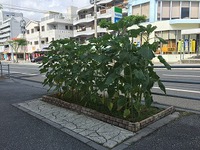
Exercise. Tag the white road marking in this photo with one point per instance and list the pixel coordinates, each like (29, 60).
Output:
(177, 75)
(32, 74)
(14, 67)
(180, 90)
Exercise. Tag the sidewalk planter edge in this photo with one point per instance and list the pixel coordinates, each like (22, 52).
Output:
(131, 126)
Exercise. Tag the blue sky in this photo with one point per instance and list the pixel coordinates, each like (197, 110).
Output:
(53, 5)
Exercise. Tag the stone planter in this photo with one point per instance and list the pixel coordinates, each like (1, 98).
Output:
(131, 126)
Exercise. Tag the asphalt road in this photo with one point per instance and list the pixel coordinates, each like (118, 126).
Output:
(188, 90)
(182, 134)
(20, 131)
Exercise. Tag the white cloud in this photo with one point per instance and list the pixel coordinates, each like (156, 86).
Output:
(48, 5)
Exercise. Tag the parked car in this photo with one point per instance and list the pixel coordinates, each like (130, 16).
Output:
(38, 59)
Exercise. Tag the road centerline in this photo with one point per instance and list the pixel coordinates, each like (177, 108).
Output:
(176, 75)
(180, 90)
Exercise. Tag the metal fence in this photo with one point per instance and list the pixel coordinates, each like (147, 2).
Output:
(4, 70)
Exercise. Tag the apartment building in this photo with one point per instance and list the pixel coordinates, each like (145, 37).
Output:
(177, 21)
(112, 10)
(10, 27)
(53, 26)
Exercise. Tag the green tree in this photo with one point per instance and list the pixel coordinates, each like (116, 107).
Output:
(16, 43)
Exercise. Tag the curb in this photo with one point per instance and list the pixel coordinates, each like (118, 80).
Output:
(147, 130)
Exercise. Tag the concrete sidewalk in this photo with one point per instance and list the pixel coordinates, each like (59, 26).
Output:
(19, 130)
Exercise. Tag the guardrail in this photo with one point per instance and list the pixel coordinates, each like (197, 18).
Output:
(5, 70)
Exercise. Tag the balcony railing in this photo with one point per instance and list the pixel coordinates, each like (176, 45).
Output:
(52, 17)
(88, 31)
(5, 35)
(4, 25)
(104, 13)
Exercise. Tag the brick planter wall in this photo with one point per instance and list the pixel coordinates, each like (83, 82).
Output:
(106, 118)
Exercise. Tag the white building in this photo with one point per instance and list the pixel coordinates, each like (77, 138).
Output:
(10, 27)
(53, 26)
(106, 9)
(177, 22)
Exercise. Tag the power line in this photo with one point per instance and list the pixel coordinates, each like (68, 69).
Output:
(15, 7)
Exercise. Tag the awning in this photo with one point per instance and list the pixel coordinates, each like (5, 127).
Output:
(190, 31)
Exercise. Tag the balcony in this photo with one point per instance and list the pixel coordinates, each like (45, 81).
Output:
(104, 2)
(57, 34)
(5, 25)
(56, 19)
(5, 35)
(5, 30)
(3, 40)
(86, 19)
(88, 31)
(104, 13)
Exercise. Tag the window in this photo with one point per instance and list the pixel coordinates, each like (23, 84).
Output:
(32, 30)
(136, 10)
(185, 11)
(37, 29)
(165, 10)
(175, 10)
(47, 39)
(66, 27)
(42, 42)
(145, 10)
(52, 39)
(35, 42)
(194, 10)
(165, 35)
(71, 27)
(172, 34)
(43, 28)
(27, 31)
(158, 11)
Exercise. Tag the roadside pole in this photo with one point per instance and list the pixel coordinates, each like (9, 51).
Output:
(95, 18)
(23, 30)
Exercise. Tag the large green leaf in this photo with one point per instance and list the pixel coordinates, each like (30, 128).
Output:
(148, 99)
(121, 102)
(162, 87)
(139, 75)
(110, 79)
(110, 106)
(126, 113)
(162, 60)
(146, 53)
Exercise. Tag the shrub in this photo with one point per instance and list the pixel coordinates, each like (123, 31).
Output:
(110, 69)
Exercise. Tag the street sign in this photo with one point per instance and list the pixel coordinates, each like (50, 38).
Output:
(117, 14)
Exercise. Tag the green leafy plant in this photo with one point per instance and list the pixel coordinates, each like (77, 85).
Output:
(111, 70)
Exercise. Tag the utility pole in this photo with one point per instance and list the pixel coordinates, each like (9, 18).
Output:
(39, 37)
(95, 18)
(23, 30)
